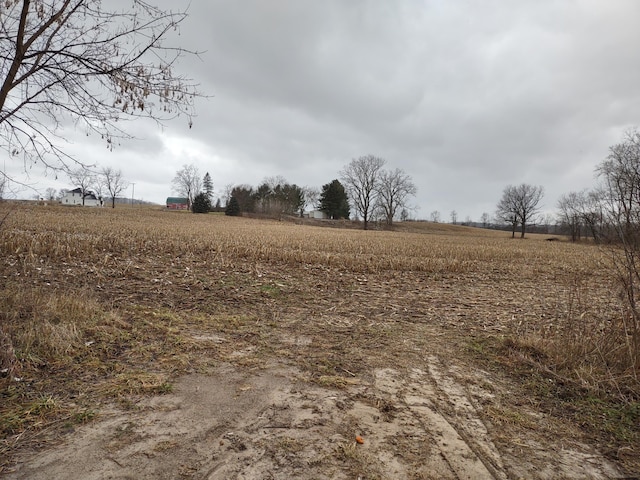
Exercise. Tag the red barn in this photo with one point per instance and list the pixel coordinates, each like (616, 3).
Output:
(177, 203)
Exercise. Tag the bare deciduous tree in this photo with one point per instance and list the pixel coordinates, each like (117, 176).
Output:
(78, 62)
(114, 182)
(273, 182)
(435, 216)
(361, 178)
(507, 209)
(394, 189)
(98, 186)
(311, 196)
(592, 210)
(485, 219)
(187, 182)
(571, 215)
(620, 192)
(454, 217)
(228, 189)
(620, 200)
(83, 179)
(518, 205)
(50, 194)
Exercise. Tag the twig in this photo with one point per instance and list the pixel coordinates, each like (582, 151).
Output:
(115, 461)
(547, 370)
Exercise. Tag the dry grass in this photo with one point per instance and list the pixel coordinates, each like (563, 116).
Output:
(588, 345)
(100, 305)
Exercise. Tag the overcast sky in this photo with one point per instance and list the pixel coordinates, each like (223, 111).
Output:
(464, 96)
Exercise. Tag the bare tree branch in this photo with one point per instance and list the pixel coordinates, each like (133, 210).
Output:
(77, 61)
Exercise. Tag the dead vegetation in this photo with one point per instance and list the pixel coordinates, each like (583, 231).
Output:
(101, 306)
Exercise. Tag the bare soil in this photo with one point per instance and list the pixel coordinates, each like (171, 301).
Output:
(271, 423)
(289, 394)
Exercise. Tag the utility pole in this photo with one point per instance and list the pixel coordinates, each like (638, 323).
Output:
(133, 189)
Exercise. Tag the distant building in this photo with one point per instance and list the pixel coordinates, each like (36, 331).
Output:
(74, 197)
(318, 214)
(177, 203)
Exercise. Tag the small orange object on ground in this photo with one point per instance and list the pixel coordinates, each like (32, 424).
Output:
(359, 439)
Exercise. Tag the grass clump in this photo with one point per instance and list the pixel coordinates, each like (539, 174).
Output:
(45, 328)
(590, 349)
(65, 353)
(580, 366)
(17, 417)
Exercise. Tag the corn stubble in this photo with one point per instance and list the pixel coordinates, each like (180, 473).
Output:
(98, 304)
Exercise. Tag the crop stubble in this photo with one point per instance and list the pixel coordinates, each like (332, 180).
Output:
(169, 292)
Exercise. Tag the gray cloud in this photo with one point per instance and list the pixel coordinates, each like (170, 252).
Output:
(465, 96)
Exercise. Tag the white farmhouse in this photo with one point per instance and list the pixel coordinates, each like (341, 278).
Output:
(74, 197)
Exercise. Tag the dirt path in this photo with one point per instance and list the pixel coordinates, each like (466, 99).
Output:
(272, 423)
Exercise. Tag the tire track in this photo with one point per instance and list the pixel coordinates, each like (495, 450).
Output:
(421, 396)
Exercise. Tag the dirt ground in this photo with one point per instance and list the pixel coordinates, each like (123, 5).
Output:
(428, 415)
(271, 423)
(311, 372)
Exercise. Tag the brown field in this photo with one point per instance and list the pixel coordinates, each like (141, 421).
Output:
(141, 343)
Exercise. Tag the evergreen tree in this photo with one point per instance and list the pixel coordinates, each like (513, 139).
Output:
(289, 197)
(233, 207)
(201, 203)
(295, 199)
(262, 197)
(245, 197)
(207, 186)
(276, 199)
(334, 201)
